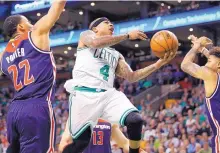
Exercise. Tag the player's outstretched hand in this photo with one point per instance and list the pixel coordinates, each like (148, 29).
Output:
(137, 34)
(202, 41)
(166, 59)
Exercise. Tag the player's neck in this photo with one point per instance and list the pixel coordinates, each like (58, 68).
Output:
(99, 35)
(16, 35)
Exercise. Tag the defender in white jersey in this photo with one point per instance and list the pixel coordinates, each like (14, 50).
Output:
(92, 94)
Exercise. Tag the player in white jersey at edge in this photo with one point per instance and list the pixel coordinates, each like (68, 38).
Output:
(92, 94)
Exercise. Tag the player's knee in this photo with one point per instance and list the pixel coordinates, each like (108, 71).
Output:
(134, 124)
(80, 143)
(134, 119)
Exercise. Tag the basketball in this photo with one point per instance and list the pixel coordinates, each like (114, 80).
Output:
(163, 42)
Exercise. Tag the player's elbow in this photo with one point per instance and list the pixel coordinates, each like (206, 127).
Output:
(91, 44)
(95, 44)
(131, 78)
(184, 66)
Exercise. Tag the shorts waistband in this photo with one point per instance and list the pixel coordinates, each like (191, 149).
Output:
(87, 89)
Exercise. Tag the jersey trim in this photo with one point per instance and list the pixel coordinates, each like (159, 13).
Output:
(87, 89)
(125, 114)
(83, 128)
(217, 143)
(35, 47)
(51, 113)
(216, 88)
(82, 48)
(102, 121)
(78, 133)
(111, 48)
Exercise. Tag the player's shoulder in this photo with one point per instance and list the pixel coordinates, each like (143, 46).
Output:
(111, 48)
(208, 75)
(102, 121)
(15, 42)
(87, 33)
(208, 72)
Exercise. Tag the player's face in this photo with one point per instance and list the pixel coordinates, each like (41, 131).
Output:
(25, 25)
(213, 63)
(105, 28)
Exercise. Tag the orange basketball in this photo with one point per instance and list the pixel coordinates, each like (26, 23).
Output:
(164, 42)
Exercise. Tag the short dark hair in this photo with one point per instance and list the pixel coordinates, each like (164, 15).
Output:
(215, 51)
(10, 25)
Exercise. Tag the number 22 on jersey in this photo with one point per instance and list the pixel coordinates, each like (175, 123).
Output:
(27, 78)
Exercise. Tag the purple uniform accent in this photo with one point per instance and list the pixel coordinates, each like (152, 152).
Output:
(41, 68)
(213, 113)
(30, 119)
(100, 142)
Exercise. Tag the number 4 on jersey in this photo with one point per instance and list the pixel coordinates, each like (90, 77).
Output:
(105, 72)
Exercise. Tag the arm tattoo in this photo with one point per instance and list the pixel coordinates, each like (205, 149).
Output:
(143, 73)
(192, 69)
(124, 71)
(190, 56)
(89, 39)
(188, 64)
(106, 41)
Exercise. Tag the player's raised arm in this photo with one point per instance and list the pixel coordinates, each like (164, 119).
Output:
(188, 65)
(203, 50)
(124, 71)
(47, 22)
(89, 38)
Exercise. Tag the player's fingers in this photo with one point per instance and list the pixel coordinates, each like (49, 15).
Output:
(142, 38)
(192, 37)
(166, 55)
(172, 55)
(141, 31)
(142, 35)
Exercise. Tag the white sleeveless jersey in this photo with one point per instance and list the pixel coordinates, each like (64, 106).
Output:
(94, 68)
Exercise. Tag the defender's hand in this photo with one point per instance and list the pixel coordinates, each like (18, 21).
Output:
(136, 34)
(202, 41)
